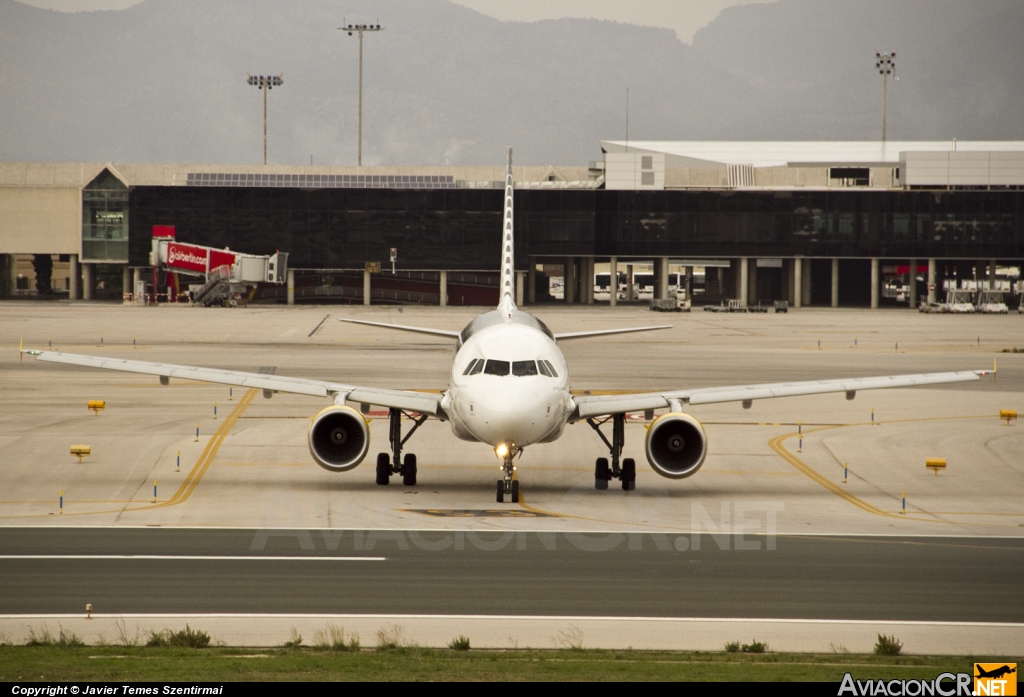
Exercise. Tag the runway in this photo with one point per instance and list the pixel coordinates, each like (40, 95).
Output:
(380, 572)
(245, 537)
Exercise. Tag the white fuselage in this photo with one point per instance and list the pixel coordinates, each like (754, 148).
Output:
(516, 391)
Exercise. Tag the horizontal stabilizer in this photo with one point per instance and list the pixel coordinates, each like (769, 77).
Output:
(605, 332)
(405, 328)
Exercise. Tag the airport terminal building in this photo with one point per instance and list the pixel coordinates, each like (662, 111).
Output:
(814, 223)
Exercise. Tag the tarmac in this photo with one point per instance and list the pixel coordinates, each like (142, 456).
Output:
(818, 465)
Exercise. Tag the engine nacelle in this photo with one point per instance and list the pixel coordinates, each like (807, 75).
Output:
(676, 445)
(338, 438)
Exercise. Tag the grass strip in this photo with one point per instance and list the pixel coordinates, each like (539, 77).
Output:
(38, 663)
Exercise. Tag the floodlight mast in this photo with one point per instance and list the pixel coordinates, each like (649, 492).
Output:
(360, 28)
(885, 63)
(265, 83)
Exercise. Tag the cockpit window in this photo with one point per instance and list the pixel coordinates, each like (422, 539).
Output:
(554, 373)
(496, 367)
(524, 368)
(478, 367)
(544, 369)
(472, 364)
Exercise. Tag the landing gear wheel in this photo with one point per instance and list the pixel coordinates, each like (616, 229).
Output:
(602, 475)
(515, 491)
(501, 491)
(409, 470)
(383, 469)
(628, 474)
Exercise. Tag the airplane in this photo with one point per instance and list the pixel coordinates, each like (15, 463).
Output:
(994, 673)
(509, 388)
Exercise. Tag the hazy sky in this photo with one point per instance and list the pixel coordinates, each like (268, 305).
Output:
(683, 16)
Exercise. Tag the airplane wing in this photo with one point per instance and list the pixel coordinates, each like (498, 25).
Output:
(588, 406)
(406, 328)
(423, 402)
(604, 332)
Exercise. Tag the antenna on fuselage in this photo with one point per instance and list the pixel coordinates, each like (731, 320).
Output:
(507, 301)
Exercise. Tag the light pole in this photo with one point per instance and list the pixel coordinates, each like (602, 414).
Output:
(885, 63)
(265, 83)
(360, 28)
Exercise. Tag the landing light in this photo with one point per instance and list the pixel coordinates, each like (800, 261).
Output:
(501, 451)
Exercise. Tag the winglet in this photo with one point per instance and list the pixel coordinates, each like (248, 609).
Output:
(22, 351)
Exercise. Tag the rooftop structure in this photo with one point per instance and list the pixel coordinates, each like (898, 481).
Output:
(822, 153)
(812, 164)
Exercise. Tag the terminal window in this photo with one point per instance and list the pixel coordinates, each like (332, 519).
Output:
(851, 176)
(105, 219)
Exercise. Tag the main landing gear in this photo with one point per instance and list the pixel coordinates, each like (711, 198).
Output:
(395, 463)
(508, 486)
(603, 472)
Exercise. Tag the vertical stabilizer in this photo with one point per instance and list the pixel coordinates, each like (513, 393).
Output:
(507, 298)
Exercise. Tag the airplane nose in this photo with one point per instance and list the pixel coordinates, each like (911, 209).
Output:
(514, 414)
(514, 399)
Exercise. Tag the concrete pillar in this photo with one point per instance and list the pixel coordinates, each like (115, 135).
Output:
(874, 283)
(520, 282)
(588, 281)
(581, 280)
(932, 284)
(572, 280)
(291, 287)
(531, 281)
(752, 283)
(798, 282)
(992, 274)
(88, 280)
(442, 289)
(366, 287)
(912, 282)
(126, 280)
(743, 280)
(689, 282)
(582, 286)
(835, 282)
(73, 277)
(136, 280)
(566, 278)
(613, 282)
(805, 289)
(661, 278)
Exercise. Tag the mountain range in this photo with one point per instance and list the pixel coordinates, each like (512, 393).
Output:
(165, 80)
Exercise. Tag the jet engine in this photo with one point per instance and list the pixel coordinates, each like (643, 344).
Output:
(676, 445)
(338, 438)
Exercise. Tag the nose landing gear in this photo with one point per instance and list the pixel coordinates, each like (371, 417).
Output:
(395, 463)
(508, 486)
(605, 471)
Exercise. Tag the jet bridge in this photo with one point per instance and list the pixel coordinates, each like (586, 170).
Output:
(225, 274)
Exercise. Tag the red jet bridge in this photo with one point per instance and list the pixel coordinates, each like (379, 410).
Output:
(227, 274)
